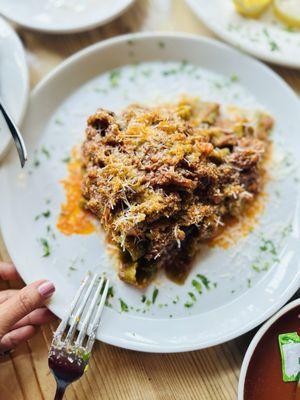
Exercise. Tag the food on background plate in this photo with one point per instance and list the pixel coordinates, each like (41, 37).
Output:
(251, 8)
(163, 179)
(287, 11)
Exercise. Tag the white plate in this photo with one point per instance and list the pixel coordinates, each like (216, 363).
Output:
(14, 83)
(62, 16)
(255, 341)
(55, 122)
(266, 37)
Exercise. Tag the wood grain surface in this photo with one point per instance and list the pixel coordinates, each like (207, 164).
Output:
(116, 373)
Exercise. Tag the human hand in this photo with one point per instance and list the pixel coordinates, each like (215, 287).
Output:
(22, 311)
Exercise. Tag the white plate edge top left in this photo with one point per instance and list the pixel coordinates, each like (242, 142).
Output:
(16, 59)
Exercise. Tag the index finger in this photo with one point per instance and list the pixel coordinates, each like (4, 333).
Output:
(8, 271)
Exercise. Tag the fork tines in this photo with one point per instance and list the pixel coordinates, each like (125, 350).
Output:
(87, 306)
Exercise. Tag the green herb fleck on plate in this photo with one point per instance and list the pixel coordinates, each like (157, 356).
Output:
(45, 152)
(204, 280)
(197, 285)
(46, 247)
(66, 160)
(144, 298)
(124, 306)
(154, 295)
(114, 78)
(45, 214)
(36, 163)
(110, 292)
(192, 296)
(58, 121)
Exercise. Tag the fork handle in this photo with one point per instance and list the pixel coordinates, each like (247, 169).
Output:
(60, 391)
(18, 139)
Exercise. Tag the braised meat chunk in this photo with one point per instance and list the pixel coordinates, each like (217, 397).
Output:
(162, 179)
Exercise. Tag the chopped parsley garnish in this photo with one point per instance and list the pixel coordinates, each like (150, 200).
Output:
(287, 230)
(176, 70)
(148, 302)
(255, 267)
(175, 301)
(204, 280)
(66, 160)
(36, 163)
(171, 71)
(45, 152)
(197, 285)
(46, 247)
(50, 231)
(45, 214)
(154, 295)
(114, 78)
(268, 245)
(249, 283)
(146, 72)
(234, 78)
(188, 304)
(58, 121)
(192, 296)
(110, 292)
(273, 45)
(124, 306)
(143, 299)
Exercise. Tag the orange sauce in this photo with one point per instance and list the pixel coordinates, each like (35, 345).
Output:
(73, 219)
(236, 228)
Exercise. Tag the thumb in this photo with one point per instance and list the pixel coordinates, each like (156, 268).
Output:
(25, 301)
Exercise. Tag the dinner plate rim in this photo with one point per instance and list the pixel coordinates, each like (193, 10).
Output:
(82, 28)
(255, 341)
(25, 73)
(252, 50)
(156, 348)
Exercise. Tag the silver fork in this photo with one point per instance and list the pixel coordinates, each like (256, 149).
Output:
(69, 355)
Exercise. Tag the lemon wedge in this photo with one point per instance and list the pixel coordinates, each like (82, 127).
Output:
(288, 11)
(251, 8)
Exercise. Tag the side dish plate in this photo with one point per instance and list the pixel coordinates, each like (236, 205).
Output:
(63, 16)
(266, 37)
(237, 288)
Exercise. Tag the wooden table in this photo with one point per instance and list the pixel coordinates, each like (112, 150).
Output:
(116, 373)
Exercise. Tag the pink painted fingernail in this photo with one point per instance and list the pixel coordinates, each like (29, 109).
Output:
(46, 289)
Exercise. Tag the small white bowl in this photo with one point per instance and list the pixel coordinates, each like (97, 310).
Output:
(255, 341)
(63, 16)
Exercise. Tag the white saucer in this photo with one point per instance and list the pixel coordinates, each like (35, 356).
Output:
(62, 16)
